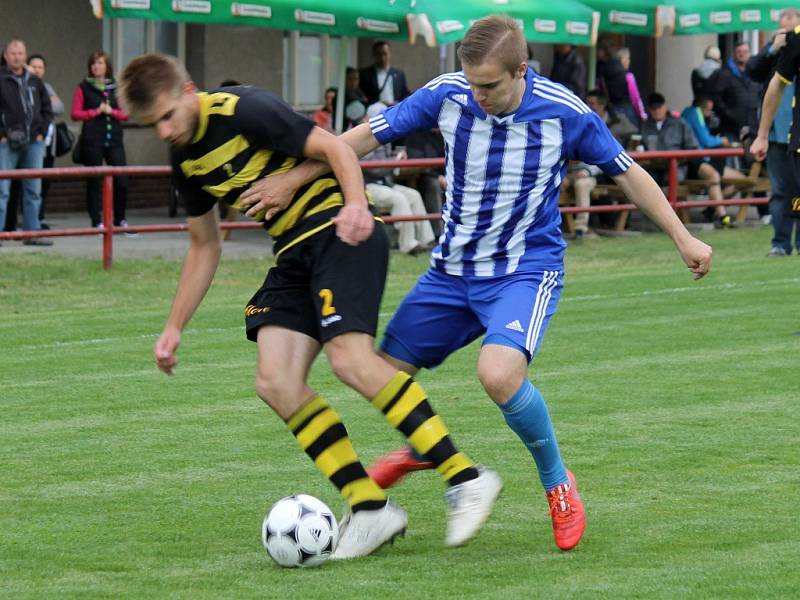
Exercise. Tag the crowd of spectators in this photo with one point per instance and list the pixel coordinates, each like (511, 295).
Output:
(727, 95)
(724, 113)
(30, 138)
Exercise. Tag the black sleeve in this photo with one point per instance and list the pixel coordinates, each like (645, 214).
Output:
(718, 86)
(267, 120)
(759, 67)
(196, 201)
(789, 57)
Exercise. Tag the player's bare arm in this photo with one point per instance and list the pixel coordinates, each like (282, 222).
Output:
(198, 271)
(276, 192)
(640, 189)
(772, 99)
(354, 222)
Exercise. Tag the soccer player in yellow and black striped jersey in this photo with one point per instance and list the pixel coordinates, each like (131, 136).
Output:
(323, 293)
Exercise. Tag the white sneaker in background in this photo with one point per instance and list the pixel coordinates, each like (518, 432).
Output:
(363, 532)
(129, 234)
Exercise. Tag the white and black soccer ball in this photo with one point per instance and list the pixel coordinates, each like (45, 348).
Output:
(300, 531)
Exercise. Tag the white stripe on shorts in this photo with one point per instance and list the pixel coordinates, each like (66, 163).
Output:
(543, 296)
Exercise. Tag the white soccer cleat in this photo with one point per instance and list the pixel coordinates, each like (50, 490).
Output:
(365, 531)
(469, 505)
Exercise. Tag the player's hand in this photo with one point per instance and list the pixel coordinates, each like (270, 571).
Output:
(271, 194)
(165, 348)
(697, 256)
(759, 148)
(354, 223)
(779, 41)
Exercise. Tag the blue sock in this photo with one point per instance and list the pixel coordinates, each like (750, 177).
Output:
(526, 414)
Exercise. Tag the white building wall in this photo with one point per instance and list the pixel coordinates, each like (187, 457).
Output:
(676, 56)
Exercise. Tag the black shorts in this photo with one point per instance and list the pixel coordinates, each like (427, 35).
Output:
(323, 287)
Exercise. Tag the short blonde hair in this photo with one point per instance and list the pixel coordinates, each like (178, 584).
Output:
(496, 37)
(147, 77)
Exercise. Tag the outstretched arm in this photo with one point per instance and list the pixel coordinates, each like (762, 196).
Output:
(274, 193)
(640, 189)
(198, 271)
(772, 99)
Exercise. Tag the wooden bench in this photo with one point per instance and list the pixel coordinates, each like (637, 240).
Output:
(752, 183)
(608, 191)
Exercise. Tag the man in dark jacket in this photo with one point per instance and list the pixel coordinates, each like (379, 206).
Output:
(25, 116)
(569, 69)
(381, 82)
(662, 131)
(736, 96)
(761, 68)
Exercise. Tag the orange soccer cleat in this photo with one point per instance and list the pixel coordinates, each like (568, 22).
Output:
(391, 468)
(567, 513)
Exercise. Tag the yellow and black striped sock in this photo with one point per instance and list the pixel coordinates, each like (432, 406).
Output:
(405, 405)
(321, 433)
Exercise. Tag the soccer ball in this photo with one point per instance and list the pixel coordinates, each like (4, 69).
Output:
(300, 531)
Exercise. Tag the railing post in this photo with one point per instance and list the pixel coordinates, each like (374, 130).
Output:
(673, 182)
(108, 220)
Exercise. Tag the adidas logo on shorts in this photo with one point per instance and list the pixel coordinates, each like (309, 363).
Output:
(515, 325)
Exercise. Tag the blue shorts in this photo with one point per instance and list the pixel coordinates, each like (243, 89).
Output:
(446, 312)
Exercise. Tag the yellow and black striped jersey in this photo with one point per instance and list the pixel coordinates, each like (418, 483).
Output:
(244, 134)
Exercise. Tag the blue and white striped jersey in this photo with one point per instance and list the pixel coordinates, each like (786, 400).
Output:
(503, 171)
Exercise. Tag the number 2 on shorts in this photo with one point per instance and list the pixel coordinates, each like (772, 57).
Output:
(328, 308)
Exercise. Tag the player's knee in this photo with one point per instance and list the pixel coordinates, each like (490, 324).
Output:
(500, 384)
(273, 389)
(347, 367)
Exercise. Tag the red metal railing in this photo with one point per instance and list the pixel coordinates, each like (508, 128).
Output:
(108, 173)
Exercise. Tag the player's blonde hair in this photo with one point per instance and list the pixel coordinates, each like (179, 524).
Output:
(494, 38)
(147, 77)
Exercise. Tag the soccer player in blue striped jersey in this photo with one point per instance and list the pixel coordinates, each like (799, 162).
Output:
(497, 271)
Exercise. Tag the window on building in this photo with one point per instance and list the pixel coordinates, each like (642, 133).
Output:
(128, 38)
(311, 64)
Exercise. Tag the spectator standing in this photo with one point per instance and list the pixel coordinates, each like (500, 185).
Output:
(381, 82)
(761, 68)
(324, 116)
(569, 69)
(662, 131)
(95, 104)
(701, 75)
(413, 237)
(25, 116)
(38, 66)
(634, 107)
(355, 102)
(736, 96)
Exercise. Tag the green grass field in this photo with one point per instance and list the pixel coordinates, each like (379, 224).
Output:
(675, 403)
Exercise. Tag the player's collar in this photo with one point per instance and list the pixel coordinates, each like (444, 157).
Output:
(202, 117)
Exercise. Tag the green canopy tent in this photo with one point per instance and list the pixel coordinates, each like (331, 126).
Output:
(727, 16)
(371, 18)
(639, 17)
(437, 22)
(563, 22)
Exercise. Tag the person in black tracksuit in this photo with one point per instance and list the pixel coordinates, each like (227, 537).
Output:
(95, 103)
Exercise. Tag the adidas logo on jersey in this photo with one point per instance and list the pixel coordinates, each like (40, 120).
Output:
(515, 325)
(460, 98)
